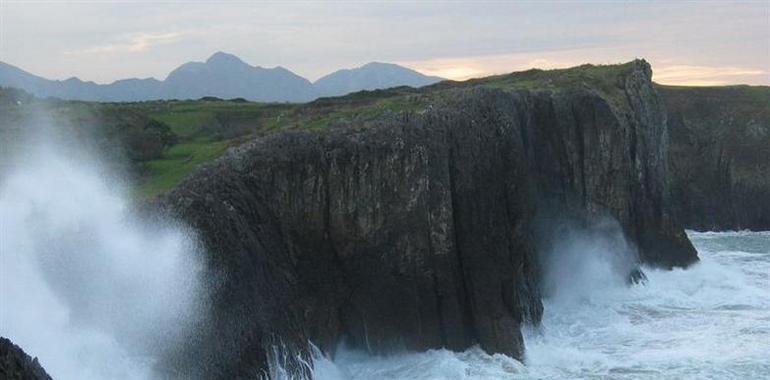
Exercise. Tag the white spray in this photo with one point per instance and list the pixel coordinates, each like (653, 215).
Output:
(585, 262)
(92, 290)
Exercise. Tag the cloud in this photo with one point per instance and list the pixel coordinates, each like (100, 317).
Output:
(693, 75)
(133, 43)
(462, 68)
(452, 39)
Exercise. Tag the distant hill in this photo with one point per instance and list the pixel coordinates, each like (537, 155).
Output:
(222, 75)
(372, 76)
(76, 89)
(227, 76)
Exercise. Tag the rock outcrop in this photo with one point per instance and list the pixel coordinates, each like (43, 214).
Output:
(720, 156)
(419, 230)
(15, 364)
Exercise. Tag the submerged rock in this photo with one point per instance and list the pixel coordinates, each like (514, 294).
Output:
(15, 364)
(417, 231)
(637, 277)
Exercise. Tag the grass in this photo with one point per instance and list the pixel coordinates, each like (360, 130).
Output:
(185, 123)
(604, 77)
(176, 163)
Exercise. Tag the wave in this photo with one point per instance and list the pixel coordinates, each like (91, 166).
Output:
(708, 321)
(90, 288)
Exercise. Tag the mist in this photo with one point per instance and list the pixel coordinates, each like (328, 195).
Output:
(583, 261)
(89, 286)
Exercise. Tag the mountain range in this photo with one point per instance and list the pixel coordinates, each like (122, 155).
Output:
(222, 75)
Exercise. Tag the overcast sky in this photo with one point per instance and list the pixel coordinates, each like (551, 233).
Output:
(686, 42)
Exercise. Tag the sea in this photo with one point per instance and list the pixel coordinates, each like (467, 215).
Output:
(709, 321)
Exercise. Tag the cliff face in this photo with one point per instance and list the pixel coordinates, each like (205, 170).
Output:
(720, 156)
(418, 230)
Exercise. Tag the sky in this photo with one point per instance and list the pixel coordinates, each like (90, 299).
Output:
(687, 43)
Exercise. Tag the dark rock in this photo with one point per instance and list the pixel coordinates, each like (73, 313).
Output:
(720, 156)
(15, 364)
(418, 231)
(636, 277)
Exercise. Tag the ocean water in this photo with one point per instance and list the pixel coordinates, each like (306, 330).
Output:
(711, 321)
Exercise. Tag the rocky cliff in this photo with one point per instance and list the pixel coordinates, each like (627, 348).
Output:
(720, 156)
(15, 364)
(420, 229)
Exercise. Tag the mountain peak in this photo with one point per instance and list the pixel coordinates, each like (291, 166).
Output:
(220, 57)
(371, 76)
(375, 64)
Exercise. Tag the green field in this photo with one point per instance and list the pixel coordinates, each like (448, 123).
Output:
(177, 161)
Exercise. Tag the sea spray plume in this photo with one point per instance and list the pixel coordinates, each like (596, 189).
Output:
(92, 289)
(583, 259)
